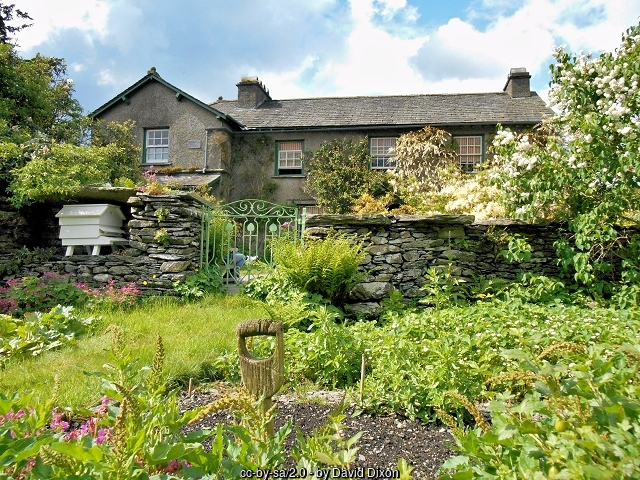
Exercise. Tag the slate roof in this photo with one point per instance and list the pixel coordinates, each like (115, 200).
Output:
(401, 110)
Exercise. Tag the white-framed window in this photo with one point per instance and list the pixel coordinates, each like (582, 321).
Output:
(381, 150)
(469, 149)
(156, 146)
(289, 158)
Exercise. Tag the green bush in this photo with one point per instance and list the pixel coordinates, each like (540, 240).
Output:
(327, 267)
(340, 173)
(580, 419)
(192, 287)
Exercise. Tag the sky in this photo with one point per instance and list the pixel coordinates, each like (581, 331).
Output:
(316, 48)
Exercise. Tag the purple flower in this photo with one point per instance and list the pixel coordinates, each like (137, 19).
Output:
(102, 435)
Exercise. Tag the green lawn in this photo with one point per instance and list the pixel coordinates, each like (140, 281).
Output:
(193, 335)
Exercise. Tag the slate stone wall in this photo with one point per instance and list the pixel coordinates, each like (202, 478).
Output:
(401, 248)
(152, 265)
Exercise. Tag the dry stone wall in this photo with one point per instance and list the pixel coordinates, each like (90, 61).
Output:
(153, 265)
(401, 248)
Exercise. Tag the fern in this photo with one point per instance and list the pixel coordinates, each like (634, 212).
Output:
(327, 267)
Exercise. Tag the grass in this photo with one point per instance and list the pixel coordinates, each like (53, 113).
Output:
(194, 334)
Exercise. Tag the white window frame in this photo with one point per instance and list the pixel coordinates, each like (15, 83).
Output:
(470, 151)
(156, 148)
(289, 157)
(381, 151)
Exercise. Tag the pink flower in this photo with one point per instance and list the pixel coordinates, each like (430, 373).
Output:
(103, 434)
(72, 435)
(57, 423)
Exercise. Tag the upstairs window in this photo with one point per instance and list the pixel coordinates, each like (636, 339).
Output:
(381, 150)
(289, 158)
(469, 149)
(157, 146)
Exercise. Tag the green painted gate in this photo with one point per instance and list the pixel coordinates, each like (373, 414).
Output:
(246, 227)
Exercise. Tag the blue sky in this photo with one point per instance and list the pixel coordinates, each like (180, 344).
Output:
(312, 48)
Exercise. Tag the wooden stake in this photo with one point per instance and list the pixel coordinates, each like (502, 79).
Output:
(190, 391)
(362, 377)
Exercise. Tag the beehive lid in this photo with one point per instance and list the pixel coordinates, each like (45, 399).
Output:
(91, 210)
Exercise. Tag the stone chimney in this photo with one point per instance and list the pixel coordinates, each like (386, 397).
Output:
(251, 92)
(517, 85)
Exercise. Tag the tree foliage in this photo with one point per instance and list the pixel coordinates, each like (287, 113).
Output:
(340, 172)
(425, 158)
(582, 165)
(6, 16)
(36, 97)
(59, 170)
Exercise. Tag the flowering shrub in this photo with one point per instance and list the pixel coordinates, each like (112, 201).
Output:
(583, 164)
(31, 294)
(111, 295)
(425, 159)
(152, 185)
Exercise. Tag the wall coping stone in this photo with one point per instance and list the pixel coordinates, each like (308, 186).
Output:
(351, 220)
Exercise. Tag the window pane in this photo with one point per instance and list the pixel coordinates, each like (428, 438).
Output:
(469, 149)
(157, 146)
(290, 157)
(382, 152)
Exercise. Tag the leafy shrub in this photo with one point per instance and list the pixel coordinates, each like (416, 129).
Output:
(13, 264)
(284, 301)
(196, 286)
(581, 166)
(579, 419)
(327, 267)
(340, 172)
(329, 355)
(426, 157)
(31, 294)
(38, 332)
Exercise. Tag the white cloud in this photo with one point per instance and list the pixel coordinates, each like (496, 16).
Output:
(375, 61)
(106, 77)
(89, 16)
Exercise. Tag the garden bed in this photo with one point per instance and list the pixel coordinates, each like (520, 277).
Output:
(385, 439)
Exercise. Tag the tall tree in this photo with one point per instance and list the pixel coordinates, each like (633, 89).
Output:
(36, 97)
(6, 15)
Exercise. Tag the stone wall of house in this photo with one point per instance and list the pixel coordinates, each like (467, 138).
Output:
(153, 265)
(401, 248)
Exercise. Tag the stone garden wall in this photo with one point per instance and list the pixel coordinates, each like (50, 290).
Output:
(401, 248)
(154, 265)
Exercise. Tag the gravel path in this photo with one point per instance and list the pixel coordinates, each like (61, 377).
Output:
(384, 440)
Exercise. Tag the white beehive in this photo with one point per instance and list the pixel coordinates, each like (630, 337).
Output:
(90, 226)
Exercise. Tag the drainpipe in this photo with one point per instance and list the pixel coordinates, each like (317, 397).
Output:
(206, 150)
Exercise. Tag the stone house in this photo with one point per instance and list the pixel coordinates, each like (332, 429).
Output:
(254, 146)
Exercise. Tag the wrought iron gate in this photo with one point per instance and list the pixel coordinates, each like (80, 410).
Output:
(242, 230)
